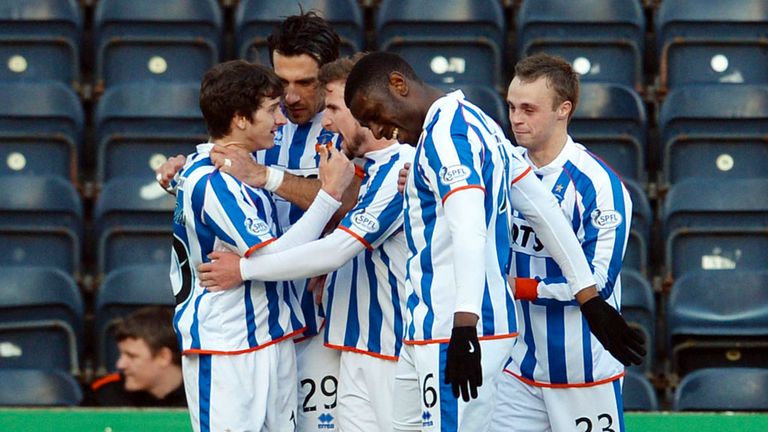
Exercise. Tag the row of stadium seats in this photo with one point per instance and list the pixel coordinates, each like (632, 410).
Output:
(456, 42)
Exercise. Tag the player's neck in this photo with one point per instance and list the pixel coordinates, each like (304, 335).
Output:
(545, 154)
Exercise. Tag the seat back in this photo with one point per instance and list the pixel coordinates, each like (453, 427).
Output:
(255, 20)
(602, 39)
(38, 388)
(638, 244)
(40, 40)
(638, 308)
(638, 393)
(147, 40)
(41, 319)
(449, 42)
(723, 389)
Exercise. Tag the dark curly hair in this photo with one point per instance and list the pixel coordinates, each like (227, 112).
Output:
(306, 33)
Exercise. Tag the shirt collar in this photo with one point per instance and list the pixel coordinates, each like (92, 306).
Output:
(557, 163)
(456, 95)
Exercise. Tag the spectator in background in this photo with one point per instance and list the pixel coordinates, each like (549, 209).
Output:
(149, 364)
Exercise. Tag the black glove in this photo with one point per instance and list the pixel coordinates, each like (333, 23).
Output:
(463, 370)
(623, 342)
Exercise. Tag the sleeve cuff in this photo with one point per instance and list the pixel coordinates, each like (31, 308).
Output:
(526, 289)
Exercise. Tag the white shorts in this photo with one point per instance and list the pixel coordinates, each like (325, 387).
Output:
(424, 402)
(523, 407)
(251, 391)
(366, 386)
(318, 384)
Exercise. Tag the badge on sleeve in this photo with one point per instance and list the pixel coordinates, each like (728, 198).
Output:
(256, 227)
(454, 173)
(605, 219)
(365, 222)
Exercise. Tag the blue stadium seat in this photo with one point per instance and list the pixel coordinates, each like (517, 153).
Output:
(40, 222)
(718, 319)
(41, 127)
(638, 393)
(610, 121)
(639, 309)
(715, 131)
(712, 224)
(638, 244)
(149, 40)
(40, 40)
(123, 291)
(489, 100)
(41, 319)
(450, 42)
(602, 39)
(255, 19)
(133, 224)
(723, 389)
(712, 42)
(38, 388)
(138, 124)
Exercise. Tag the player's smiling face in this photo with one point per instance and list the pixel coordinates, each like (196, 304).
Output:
(260, 131)
(380, 112)
(532, 113)
(303, 93)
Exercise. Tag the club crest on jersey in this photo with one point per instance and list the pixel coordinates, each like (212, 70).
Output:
(605, 219)
(256, 226)
(454, 173)
(365, 221)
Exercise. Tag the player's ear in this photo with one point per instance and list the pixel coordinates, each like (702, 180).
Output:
(165, 355)
(564, 110)
(398, 84)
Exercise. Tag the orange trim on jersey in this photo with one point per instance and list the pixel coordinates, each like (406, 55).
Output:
(359, 351)
(526, 289)
(462, 188)
(355, 235)
(520, 177)
(247, 350)
(303, 338)
(446, 340)
(576, 385)
(258, 246)
(106, 379)
(359, 171)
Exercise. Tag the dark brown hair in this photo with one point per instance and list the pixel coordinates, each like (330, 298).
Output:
(559, 73)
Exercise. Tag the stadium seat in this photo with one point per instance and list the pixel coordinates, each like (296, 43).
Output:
(40, 40)
(638, 244)
(138, 124)
(489, 100)
(602, 39)
(133, 223)
(40, 222)
(712, 42)
(123, 291)
(610, 121)
(38, 388)
(639, 309)
(718, 319)
(149, 40)
(715, 131)
(723, 389)
(638, 393)
(41, 319)
(712, 224)
(450, 42)
(41, 127)
(255, 19)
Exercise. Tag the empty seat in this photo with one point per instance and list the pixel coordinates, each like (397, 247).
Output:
(38, 388)
(489, 100)
(148, 40)
(134, 224)
(40, 222)
(138, 124)
(40, 40)
(718, 319)
(41, 126)
(122, 292)
(41, 319)
(255, 20)
(714, 224)
(446, 41)
(715, 131)
(639, 309)
(638, 244)
(602, 39)
(723, 389)
(610, 121)
(638, 393)
(712, 42)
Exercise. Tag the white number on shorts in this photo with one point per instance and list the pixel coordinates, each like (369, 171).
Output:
(306, 407)
(588, 423)
(430, 401)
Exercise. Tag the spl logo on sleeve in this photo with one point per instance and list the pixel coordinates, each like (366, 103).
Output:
(256, 227)
(454, 173)
(365, 222)
(605, 219)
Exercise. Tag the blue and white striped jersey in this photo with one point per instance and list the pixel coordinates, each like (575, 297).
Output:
(215, 211)
(369, 316)
(295, 152)
(556, 347)
(460, 147)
